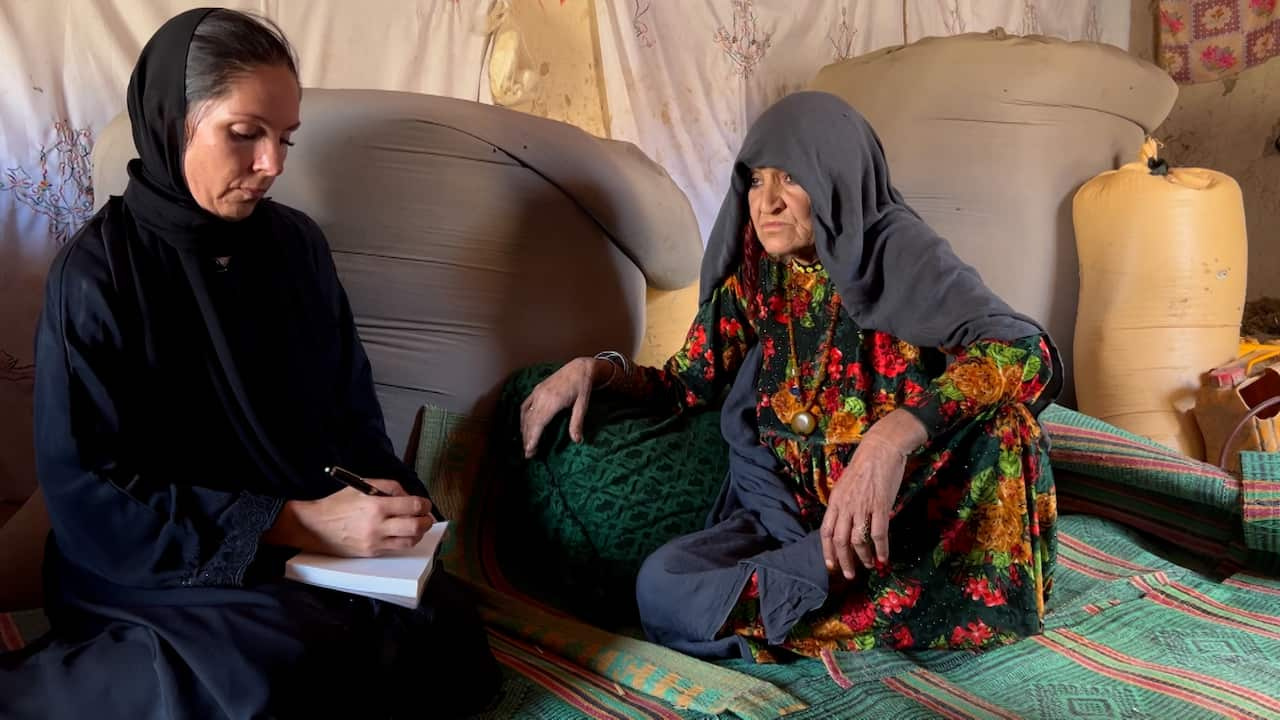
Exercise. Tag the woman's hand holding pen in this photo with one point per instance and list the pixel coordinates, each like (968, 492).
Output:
(353, 524)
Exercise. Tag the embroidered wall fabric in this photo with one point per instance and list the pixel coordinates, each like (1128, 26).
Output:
(684, 81)
(1203, 40)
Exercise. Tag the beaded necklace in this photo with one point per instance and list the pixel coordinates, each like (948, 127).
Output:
(793, 404)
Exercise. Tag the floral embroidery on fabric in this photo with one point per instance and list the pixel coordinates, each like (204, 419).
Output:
(1202, 40)
(745, 44)
(641, 28)
(1093, 24)
(953, 19)
(841, 37)
(1030, 18)
(62, 189)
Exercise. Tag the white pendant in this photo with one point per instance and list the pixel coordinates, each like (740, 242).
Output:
(803, 423)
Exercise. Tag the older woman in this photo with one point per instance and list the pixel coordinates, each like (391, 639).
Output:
(197, 369)
(878, 494)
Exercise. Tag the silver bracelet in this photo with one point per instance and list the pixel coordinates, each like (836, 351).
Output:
(619, 362)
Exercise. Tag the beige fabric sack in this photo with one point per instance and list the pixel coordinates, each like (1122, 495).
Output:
(1163, 262)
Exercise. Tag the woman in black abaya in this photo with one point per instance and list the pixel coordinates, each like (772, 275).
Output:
(197, 369)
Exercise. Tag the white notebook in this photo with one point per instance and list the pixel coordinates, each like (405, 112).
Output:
(396, 577)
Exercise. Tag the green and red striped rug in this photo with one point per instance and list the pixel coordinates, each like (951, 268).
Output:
(1159, 610)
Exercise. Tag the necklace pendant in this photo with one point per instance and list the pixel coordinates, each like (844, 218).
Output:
(803, 423)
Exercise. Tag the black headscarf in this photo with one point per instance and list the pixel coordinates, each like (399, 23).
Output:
(162, 208)
(157, 194)
(893, 272)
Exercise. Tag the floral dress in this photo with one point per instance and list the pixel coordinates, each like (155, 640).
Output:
(972, 535)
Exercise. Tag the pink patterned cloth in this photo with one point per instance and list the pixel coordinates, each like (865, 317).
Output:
(1202, 40)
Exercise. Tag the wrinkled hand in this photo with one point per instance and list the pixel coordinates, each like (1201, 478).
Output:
(351, 524)
(569, 386)
(856, 521)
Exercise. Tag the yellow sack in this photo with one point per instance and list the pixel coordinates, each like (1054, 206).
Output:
(1163, 259)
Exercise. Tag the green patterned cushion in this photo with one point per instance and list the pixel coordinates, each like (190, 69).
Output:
(577, 520)
(1260, 498)
(1218, 519)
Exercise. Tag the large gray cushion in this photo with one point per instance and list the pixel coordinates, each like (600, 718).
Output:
(472, 240)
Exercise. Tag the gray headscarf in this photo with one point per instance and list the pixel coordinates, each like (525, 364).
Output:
(893, 272)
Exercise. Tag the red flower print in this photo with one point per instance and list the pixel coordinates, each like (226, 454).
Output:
(770, 348)
(835, 468)
(800, 303)
(1173, 23)
(900, 638)
(982, 589)
(709, 372)
(777, 306)
(1020, 552)
(861, 617)
(979, 633)
(1009, 438)
(913, 594)
(1031, 389)
(709, 356)
(883, 403)
(764, 400)
(950, 409)
(730, 327)
(885, 357)
(891, 602)
(976, 634)
(689, 398)
(834, 359)
(1216, 57)
(697, 341)
(914, 393)
(943, 458)
(1262, 7)
(806, 369)
(831, 400)
(860, 380)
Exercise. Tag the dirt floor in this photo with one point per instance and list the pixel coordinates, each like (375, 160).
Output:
(1262, 319)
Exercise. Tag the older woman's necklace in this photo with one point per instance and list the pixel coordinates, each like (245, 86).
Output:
(792, 403)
